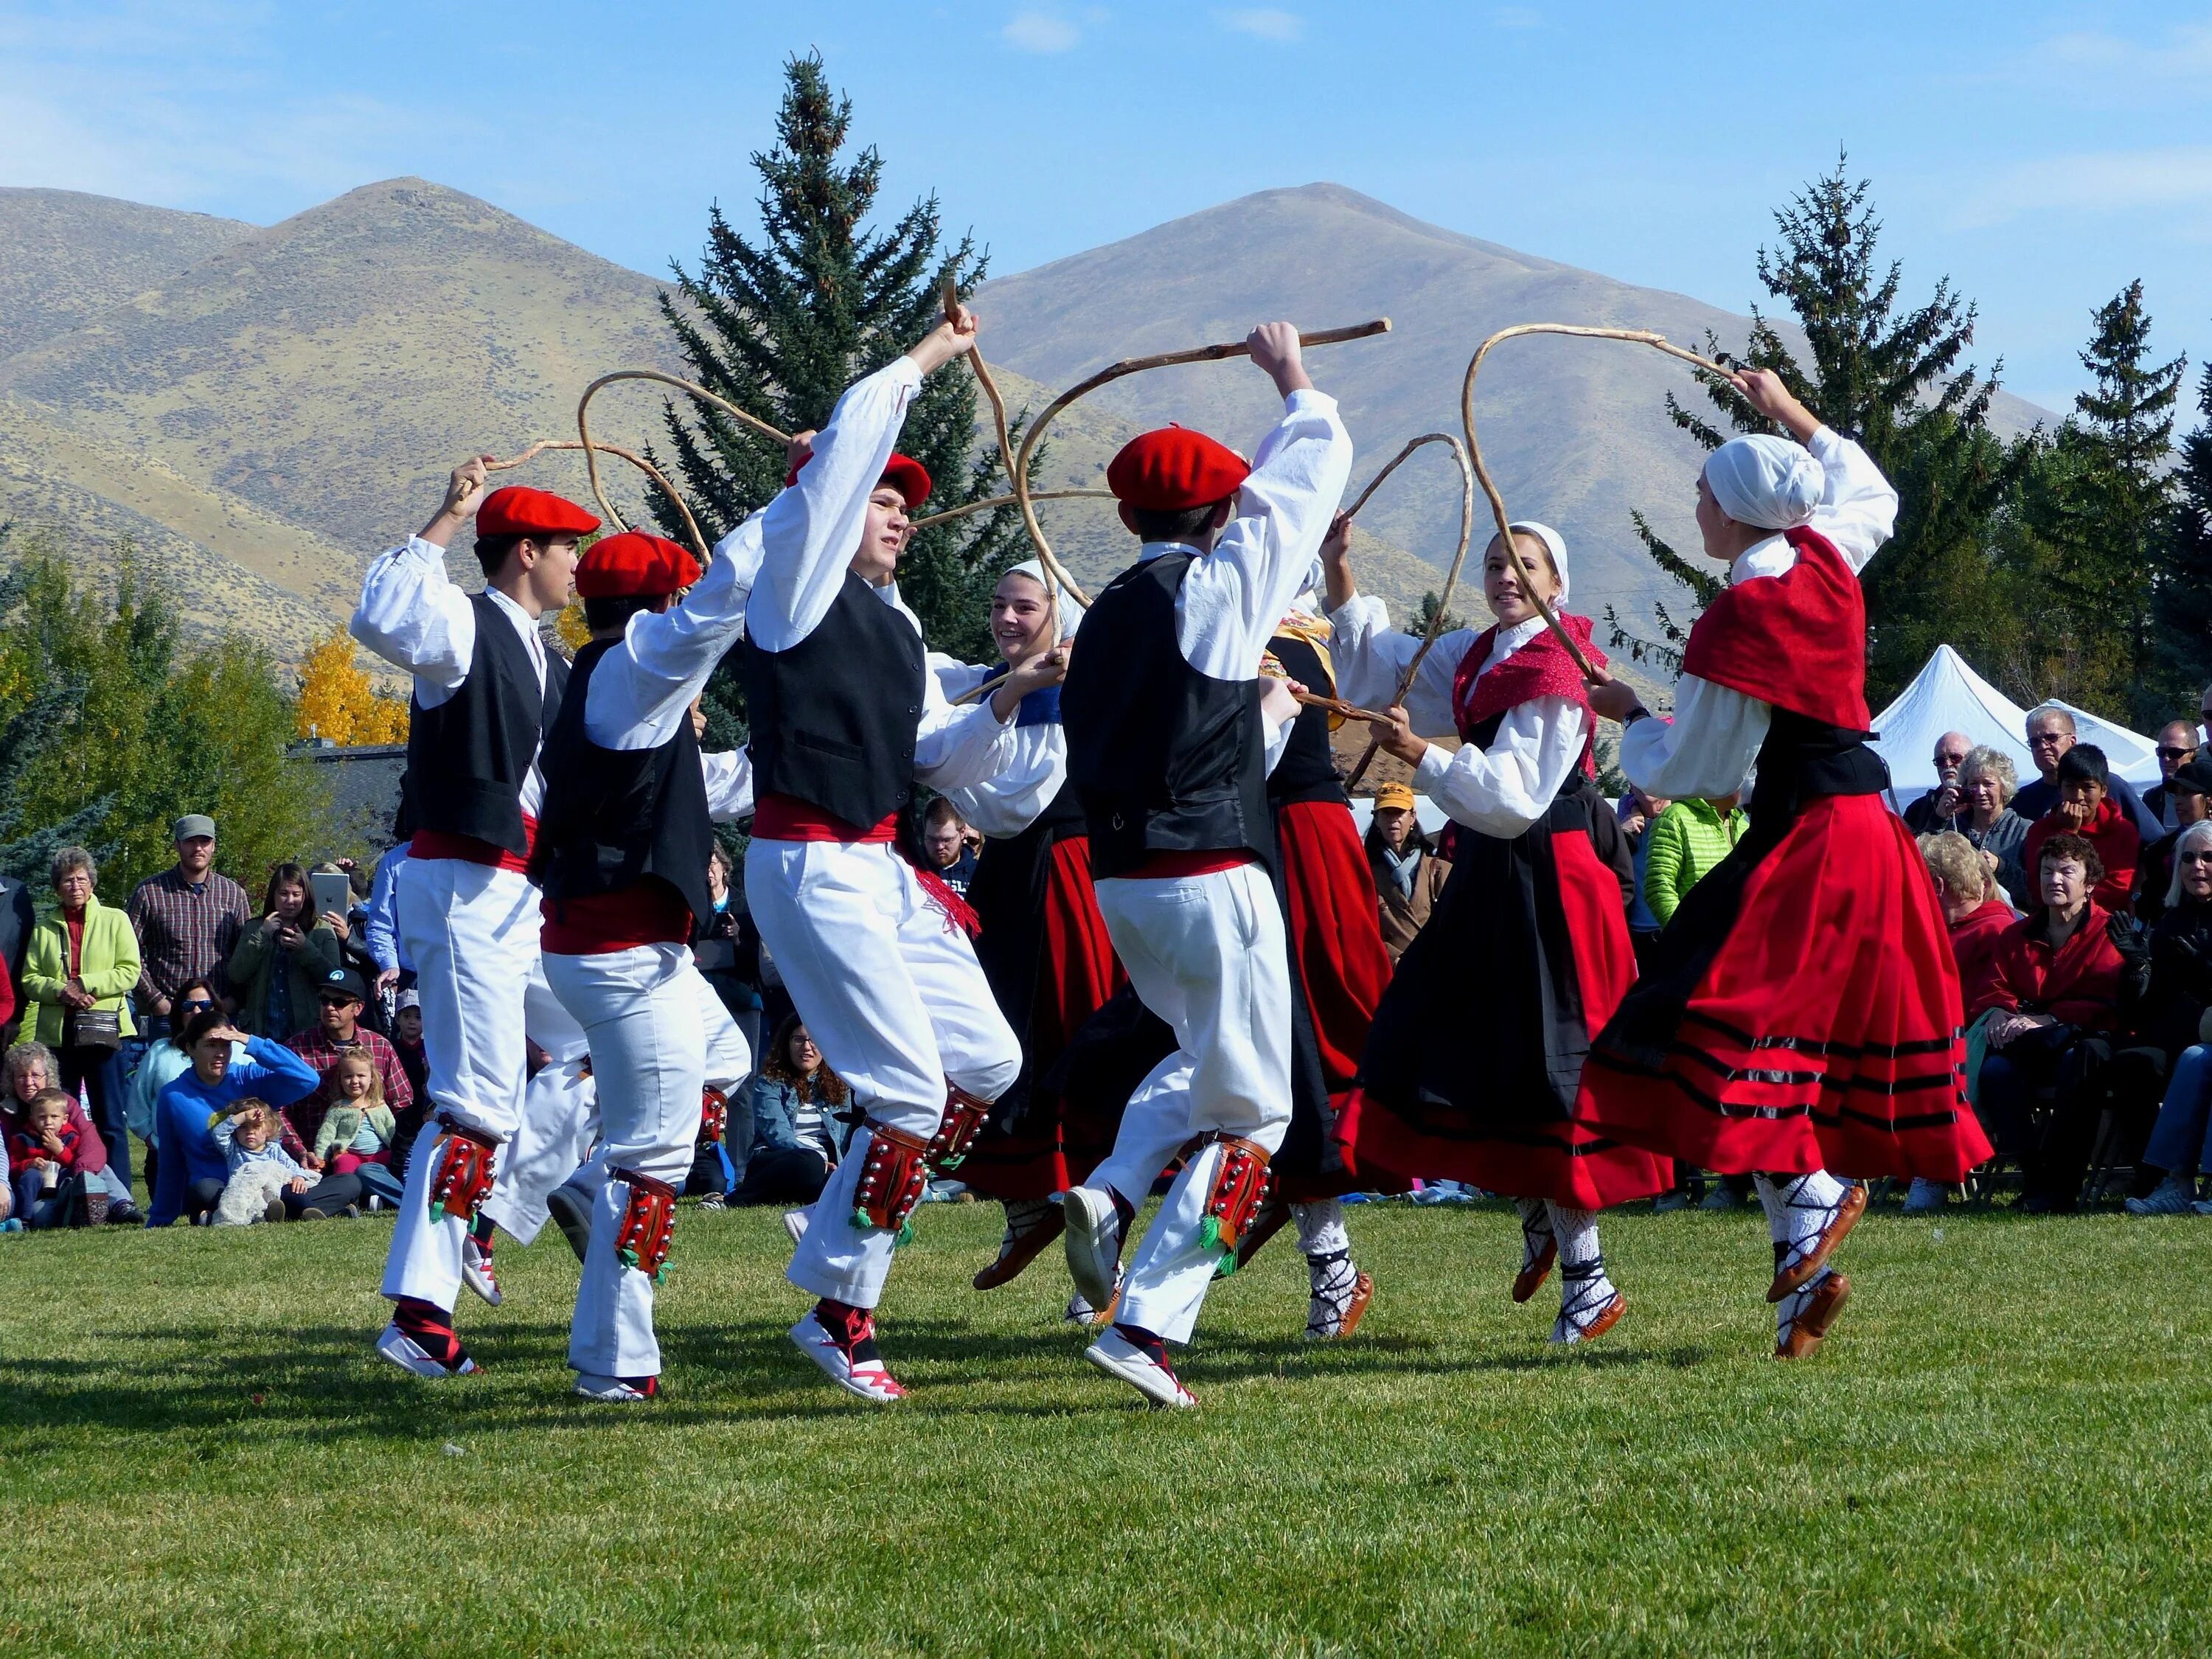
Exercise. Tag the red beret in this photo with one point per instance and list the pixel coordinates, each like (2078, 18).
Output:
(902, 472)
(1171, 469)
(634, 565)
(519, 510)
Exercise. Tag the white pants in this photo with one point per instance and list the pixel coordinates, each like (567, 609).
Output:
(892, 996)
(471, 932)
(1206, 954)
(560, 1114)
(639, 1010)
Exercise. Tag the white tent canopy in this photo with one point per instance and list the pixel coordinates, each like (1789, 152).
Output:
(1948, 696)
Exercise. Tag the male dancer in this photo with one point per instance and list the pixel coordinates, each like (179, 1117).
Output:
(623, 851)
(486, 691)
(1169, 748)
(845, 719)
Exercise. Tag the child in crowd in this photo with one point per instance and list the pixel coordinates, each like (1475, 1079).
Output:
(42, 1160)
(359, 1131)
(261, 1170)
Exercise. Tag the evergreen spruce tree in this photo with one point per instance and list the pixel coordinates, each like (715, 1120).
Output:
(2181, 572)
(782, 323)
(1891, 379)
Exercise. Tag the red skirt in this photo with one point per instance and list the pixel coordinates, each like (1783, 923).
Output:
(1053, 1144)
(1339, 970)
(1827, 1032)
(1473, 1064)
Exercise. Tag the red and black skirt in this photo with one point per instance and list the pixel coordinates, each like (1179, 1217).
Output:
(1045, 952)
(1801, 1009)
(1472, 1068)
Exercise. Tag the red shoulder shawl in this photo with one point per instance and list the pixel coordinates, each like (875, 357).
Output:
(1796, 640)
(1541, 668)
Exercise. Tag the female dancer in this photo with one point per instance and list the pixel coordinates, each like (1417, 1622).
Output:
(1044, 947)
(1530, 942)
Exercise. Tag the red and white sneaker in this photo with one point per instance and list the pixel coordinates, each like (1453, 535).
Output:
(404, 1351)
(794, 1223)
(853, 1365)
(1094, 1242)
(1143, 1366)
(477, 1271)
(617, 1390)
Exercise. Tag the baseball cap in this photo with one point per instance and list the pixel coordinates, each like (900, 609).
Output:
(192, 824)
(410, 999)
(1394, 794)
(341, 985)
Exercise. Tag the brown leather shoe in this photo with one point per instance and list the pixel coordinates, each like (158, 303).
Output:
(1824, 1245)
(1023, 1251)
(1606, 1319)
(1810, 1326)
(1363, 1293)
(1526, 1281)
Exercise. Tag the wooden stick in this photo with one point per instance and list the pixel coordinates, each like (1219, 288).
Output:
(1634, 336)
(1341, 710)
(988, 502)
(1017, 475)
(638, 461)
(584, 427)
(1451, 577)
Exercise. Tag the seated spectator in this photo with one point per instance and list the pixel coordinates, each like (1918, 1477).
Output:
(337, 1032)
(2065, 983)
(2176, 748)
(407, 1043)
(2050, 736)
(2176, 1020)
(1686, 841)
(281, 958)
(2188, 801)
(161, 1064)
(357, 1131)
(263, 1175)
(944, 845)
(195, 1162)
(78, 974)
(30, 1070)
(1941, 807)
(1978, 915)
(42, 1158)
(1409, 877)
(2086, 808)
(797, 1135)
(713, 1176)
(1992, 824)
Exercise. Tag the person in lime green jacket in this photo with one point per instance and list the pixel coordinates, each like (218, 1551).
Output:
(83, 960)
(1683, 844)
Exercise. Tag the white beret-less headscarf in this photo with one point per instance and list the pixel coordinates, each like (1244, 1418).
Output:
(1768, 482)
(1071, 613)
(1556, 545)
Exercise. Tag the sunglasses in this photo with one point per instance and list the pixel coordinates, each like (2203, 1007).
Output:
(198, 1005)
(2196, 858)
(2167, 752)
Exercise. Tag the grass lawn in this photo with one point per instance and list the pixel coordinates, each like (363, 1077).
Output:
(2004, 1448)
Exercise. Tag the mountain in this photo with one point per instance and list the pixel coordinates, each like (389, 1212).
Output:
(1575, 431)
(69, 256)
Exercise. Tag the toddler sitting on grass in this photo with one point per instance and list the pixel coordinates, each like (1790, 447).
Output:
(261, 1170)
(42, 1157)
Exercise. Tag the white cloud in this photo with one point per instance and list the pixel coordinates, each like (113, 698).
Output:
(1517, 17)
(1264, 23)
(2186, 53)
(2108, 181)
(1041, 32)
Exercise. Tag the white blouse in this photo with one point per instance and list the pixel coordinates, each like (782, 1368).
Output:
(1008, 803)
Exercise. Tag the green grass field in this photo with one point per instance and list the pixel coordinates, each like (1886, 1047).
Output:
(2003, 1449)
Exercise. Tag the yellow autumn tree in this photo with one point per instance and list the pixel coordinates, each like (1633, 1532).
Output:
(338, 701)
(575, 633)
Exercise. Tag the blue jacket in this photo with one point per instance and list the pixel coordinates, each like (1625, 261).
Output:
(187, 1110)
(775, 1118)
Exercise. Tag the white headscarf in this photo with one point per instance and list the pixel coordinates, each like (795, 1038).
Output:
(1556, 545)
(1768, 482)
(1071, 612)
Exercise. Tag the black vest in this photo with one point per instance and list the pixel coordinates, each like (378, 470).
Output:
(1307, 770)
(834, 718)
(615, 817)
(1165, 759)
(467, 757)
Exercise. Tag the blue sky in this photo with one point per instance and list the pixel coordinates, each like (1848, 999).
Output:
(2040, 155)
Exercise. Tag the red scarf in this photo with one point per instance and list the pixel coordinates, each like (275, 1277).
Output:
(1540, 668)
(1796, 640)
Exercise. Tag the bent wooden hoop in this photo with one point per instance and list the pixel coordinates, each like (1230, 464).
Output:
(590, 449)
(988, 502)
(635, 460)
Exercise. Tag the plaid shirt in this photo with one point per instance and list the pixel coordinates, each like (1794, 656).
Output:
(184, 932)
(316, 1048)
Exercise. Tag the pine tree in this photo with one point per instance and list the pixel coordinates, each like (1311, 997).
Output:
(2181, 572)
(1891, 379)
(782, 323)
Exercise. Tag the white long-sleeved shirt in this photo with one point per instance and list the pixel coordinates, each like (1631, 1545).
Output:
(412, 616)
(642, 689)
(1502, 790)
(809, 534)
(729, 774)
(1016, 798)
(1707, 750)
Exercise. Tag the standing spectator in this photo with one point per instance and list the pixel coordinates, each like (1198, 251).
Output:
(18, 919)
(30, 1069)
(193, 1112)
(160, 1065)
(380, 930)
(1685, 842)
(2176, 1017)
(944, 845)
(2176, 747)
(80, 971)
(1998, 833)
(797, 1135)
(188, 919)
(2189, 800)
(280, 959)
(2086, 808)
(1409, 877)
(337, 1033)
(1636, 812)
(1941, 807)
(2049, 736)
